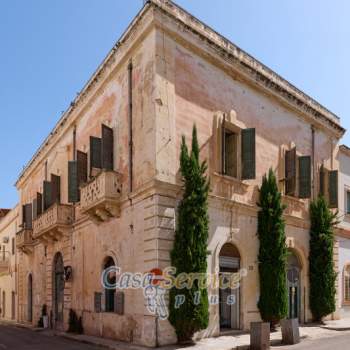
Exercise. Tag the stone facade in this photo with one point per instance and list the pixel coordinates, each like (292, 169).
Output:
(8, 265)
(182, 73)
(343, 233)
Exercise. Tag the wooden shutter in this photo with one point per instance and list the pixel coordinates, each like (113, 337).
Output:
(23, 215)
(107, 147)
(98, 302)
(82, 160)
(231, 154)
(56, 189)
(322, 182)
(290, 168)
(248, 154)
(95, 152)
(47, 195)
(119, 303)
(28, 209)
(305, 177)
(35, 208)
(333, 188)
(223, 152)
(39, 198)
(347, 202)
(73, 186)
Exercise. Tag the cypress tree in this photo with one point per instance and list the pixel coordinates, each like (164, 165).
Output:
(189, 254)
(322, 273)
(273, 302)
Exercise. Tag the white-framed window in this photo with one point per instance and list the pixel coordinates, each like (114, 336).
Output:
(347, 198)
(346, 282)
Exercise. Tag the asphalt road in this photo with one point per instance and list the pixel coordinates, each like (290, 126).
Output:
(14, 338)
(341, 342)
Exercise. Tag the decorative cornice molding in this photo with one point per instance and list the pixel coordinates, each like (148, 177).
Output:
(252, 68)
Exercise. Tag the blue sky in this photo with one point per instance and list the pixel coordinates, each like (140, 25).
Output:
(49, 49)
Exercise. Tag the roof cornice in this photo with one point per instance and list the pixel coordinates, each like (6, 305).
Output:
(255, 70)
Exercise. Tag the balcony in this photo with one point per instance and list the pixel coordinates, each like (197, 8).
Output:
(25, 241)
(4, 263)
(54, 223)
(100, 197)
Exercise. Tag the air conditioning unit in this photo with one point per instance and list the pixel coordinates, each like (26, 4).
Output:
(5, 239)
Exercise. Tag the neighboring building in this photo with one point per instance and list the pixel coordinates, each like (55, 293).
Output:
(167, 72)
(8, 276)
(343, 232)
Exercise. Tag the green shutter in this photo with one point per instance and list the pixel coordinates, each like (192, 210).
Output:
(333, 188)
(35, 208)
(248, 154)
(82, 160)
(347, 202)
(95, 152)
(73, 186)
(107, 147)
(47, 194)
(119, 303)
(290, 169)
(55, 188)
(305, 177)
(39, 199)
(322, 177)
(231, 154)
(28, 216)
(98, 302)
(223, 153)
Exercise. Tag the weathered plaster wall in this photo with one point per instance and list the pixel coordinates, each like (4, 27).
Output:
(8, 229)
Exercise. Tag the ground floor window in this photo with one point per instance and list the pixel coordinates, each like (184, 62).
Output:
(347, 284)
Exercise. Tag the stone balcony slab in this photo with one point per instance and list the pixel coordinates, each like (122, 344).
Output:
(25, 241)
(100, 197)
(54, 223)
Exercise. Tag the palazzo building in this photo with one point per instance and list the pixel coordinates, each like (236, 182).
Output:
(103, 188)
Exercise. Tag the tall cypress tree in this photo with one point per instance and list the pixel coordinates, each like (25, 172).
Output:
(189, 254)
(322, 273)
(273, 302)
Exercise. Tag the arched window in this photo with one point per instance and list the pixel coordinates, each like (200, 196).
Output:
(111, 278)
(346, 279)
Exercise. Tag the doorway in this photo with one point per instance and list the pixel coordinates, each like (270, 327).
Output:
(229, 299)
(58, 291)
(293, 286)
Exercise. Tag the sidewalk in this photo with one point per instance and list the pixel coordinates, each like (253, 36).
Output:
(339, 325)
(225, 342)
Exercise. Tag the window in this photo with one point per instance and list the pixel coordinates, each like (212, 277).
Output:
(234, 148)
(297, 174)
(328, 183)
(346, 279)
(348, 202)
(111, 279)
(230, 154)
(13, 246)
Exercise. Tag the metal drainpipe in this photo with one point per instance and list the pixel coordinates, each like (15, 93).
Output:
(130, 67)
(313, 162)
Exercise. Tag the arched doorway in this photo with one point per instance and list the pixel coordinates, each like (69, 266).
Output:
(58, 291)
(229, 299)
(294, 285)
(30, 299)
(111, 279)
